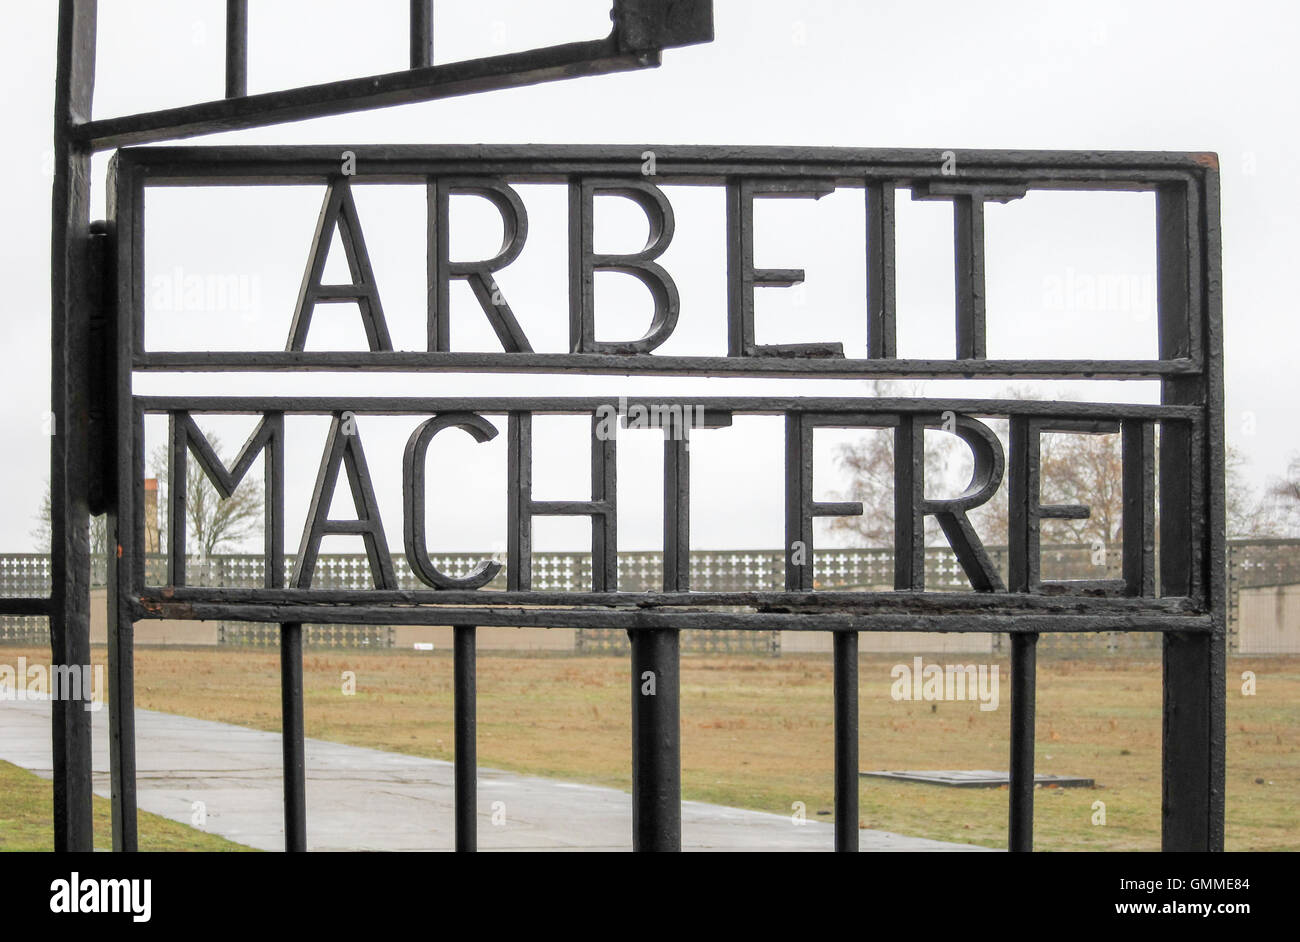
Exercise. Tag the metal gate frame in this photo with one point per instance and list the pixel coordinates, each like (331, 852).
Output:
(96, 457)
(1189, 610)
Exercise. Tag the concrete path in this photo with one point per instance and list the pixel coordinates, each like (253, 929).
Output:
(364, 799)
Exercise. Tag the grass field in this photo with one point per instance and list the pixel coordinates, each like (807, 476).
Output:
(25, 820)
(756, 732)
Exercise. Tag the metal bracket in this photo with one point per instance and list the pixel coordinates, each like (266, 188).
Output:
(653, 25)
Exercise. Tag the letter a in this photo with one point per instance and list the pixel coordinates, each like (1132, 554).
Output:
(339, 212)
(344, 451)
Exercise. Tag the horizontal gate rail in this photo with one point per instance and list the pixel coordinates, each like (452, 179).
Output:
(619, 618)
(16, 605)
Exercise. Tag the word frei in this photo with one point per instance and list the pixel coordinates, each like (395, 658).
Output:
(75, 895)
(921, 681)
(71, 682)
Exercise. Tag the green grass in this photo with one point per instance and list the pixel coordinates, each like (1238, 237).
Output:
(26, 810)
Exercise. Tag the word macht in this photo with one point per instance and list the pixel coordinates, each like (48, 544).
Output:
(75, 895)
(923, 681)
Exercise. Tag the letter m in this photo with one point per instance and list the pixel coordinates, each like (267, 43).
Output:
(65, 682)
(186, 439)
(115, 896)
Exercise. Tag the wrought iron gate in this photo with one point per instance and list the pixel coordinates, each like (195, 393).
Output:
(99, 461)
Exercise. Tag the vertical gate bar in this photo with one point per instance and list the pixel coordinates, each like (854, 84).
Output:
(604, 519)
(968, 221)
(70, 732)
(1188, 741)
(291, 725)
(123, 486)
(121, 706)
(519, 495)
(656, 741)
(1024, 657)
(1215, 661)
(1191, 519)
(882, 329)
(740, 255)
(677, 509)
(1137, 521)
(273, 504)
(799, 563)
(466, 755)
(846, 741)
(177, 487)
(421, 34)
(125, 536)
(236, 48)
(909, 488)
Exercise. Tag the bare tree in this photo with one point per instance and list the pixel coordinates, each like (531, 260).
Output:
(212, 523)
(1088, 469)
(1085, 469)
(868, 463)
(1246, 516)
(1287, 488)
(1282, 501)
(1075, 468)
(43, 531)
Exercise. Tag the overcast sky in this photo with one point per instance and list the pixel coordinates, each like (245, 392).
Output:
(1111, 76)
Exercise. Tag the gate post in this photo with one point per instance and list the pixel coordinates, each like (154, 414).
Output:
(1192, 552)
(656, 740)
(1192, 743)
(70, 306)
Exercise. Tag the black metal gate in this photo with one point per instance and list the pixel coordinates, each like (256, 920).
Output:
(99, 461)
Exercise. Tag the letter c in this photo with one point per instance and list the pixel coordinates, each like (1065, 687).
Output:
(413, 484)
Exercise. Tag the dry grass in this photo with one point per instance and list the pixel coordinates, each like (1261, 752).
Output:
(756, 732)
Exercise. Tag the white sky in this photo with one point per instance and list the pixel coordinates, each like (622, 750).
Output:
(1119, 76)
